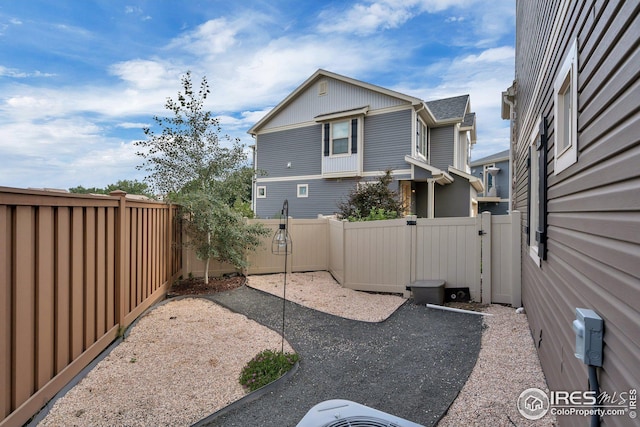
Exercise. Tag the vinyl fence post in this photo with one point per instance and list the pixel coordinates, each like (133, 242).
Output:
(486, 258)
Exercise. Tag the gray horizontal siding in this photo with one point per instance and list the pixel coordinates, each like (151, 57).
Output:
(387, 139)
(594, 205)
(452, 200)
(340, 96)
(300, 146)
(324, 196)
(441, 147)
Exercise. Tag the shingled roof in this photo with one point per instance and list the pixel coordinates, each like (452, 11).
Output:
(449, 108)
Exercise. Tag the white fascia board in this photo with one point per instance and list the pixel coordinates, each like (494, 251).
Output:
(362, 111)
(289, 178)
(439, 176)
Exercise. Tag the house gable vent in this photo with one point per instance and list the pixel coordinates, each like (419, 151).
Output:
(323, 87)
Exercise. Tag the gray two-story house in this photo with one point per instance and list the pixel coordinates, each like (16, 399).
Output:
(494, 172)
(333, 133)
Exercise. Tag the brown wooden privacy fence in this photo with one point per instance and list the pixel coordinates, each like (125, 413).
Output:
(75, 270)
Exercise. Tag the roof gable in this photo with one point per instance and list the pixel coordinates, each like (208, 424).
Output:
(453, 108)
(340, 93)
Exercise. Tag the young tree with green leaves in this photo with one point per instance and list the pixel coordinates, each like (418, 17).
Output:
(372, 201)
(190, 163)
(126, 185)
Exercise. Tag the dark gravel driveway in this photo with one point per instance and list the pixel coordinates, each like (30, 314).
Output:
(412, 365)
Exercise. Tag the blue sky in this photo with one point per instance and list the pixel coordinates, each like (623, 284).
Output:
(79, 79)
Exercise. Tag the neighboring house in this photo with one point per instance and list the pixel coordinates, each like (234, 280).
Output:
(575, 111)
(333, 133)
(493, 171)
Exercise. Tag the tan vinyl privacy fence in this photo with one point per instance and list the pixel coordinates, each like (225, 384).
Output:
(310, 251)
(481, 253)
(75, 270)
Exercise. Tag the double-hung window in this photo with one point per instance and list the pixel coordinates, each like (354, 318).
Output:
(566, 112)
(340, 137)
(422, 139)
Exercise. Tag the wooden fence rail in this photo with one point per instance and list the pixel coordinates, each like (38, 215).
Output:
(75, 270)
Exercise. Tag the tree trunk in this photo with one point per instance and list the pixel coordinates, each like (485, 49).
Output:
(206, 264)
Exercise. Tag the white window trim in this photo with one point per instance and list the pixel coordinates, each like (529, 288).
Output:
(258, 195)
(306, 193)
(425, 129)
(348, 153)
(534, 196)
(568, 74)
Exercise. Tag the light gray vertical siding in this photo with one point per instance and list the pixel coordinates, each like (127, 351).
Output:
(441, 147)
(387, 139)
(593, 230)
(300, 146)
(340, 96)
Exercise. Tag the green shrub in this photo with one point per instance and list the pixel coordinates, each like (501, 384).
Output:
(266, 367)
(375, 214)
(373, 201)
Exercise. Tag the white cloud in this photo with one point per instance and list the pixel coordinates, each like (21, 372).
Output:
(211, 38)
(132, 125)
(146, 73)
(366, 18)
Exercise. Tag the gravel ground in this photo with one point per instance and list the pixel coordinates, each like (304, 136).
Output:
(185, 357)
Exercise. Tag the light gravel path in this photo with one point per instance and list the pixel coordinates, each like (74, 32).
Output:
(181, 361)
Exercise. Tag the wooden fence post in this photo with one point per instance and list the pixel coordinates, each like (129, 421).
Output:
(169, 254)
(121, 240)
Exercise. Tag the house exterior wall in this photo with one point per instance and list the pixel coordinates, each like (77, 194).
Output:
(452, 200)
(300, 146)
(324, 196)
(441, 146)
(593, 233)
(502, 186)
(387, 139)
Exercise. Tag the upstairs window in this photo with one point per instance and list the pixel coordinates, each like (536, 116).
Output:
(566, 112)
(422, 139)
(340, 138)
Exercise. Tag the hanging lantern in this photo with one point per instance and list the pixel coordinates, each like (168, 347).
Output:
(281, 243)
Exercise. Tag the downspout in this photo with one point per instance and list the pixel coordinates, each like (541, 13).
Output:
(431, 198)
(509, 98)
(254, 180)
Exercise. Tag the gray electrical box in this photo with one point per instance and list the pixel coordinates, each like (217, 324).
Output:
(588, 327)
